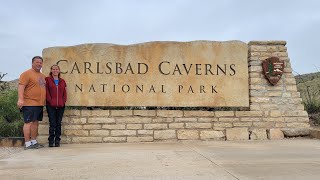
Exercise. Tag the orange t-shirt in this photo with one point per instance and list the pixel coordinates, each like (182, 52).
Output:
(35, 88)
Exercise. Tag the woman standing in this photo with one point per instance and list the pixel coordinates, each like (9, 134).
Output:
(56, 97)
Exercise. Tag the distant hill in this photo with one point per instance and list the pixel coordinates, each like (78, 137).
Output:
(309, 86)
(13, 84)
(307, 77)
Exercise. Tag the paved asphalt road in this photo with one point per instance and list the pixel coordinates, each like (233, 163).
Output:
(282, 159)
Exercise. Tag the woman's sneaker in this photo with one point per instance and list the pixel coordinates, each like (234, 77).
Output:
(29, 147)
(37, 146)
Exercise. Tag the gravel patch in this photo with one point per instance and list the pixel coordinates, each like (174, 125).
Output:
(6, 152)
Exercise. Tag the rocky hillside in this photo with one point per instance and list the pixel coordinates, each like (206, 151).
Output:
(309, 88)
(13, 84)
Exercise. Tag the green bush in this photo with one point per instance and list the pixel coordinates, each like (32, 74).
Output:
(315, 119)
(13, 129)
(312, 106)
(11, 122)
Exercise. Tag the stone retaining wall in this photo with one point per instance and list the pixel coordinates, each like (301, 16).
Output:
(272, 108)
(11, 142)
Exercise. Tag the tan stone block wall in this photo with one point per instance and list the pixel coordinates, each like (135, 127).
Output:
(272, 108)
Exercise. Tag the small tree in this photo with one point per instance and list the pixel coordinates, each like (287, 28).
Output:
(2, 75)
(3, 84)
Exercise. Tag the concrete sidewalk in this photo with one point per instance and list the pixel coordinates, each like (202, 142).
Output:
(283, 159)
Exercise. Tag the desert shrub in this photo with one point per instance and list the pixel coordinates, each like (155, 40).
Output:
(10, 117)
(13, 129)
(309, 87)
(312, 106)
(315, 118)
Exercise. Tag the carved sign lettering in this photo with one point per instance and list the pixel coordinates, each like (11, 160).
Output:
(167, 74)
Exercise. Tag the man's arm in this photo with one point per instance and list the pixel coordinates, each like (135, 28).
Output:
(20, 95)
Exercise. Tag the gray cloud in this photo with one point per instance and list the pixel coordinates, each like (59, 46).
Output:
(27, 27)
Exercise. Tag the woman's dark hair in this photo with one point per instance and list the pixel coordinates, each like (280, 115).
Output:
(37, 57)
(51, 69)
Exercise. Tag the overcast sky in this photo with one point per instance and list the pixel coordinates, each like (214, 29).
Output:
(27, 27)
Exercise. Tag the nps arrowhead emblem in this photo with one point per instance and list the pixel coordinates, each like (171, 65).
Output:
(273, 69)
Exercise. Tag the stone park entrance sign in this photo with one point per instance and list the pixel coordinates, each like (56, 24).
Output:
(170, 74)
(196, 74)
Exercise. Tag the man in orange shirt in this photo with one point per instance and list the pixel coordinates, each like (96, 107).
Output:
(31, 99)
